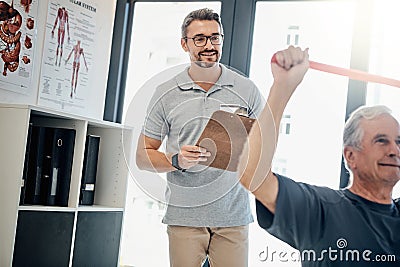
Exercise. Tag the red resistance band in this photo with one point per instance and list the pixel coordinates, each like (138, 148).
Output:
(352, 74)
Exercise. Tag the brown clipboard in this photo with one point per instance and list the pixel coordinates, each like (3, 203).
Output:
(224, 136)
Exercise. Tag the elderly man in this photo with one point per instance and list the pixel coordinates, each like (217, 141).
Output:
(357, 226)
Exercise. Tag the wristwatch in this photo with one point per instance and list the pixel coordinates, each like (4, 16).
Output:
(175, 163)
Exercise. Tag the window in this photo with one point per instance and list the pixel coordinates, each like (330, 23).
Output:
(310, 145)
(315, 115)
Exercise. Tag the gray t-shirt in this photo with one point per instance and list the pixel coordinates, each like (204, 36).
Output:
(332, 227)
(179, 110)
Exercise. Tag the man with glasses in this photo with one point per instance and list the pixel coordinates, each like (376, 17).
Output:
(208, 210)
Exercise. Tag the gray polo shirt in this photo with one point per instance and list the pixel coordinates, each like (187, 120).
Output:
(179, 110)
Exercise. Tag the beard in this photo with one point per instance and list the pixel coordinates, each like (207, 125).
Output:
(205, 64)
(209, 60)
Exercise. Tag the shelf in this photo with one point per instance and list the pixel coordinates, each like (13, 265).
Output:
(110, 189)
(45, 208)
(98, 208)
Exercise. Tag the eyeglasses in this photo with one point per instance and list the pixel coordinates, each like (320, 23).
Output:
(201, 40)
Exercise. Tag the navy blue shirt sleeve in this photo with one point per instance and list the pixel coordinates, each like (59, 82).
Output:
(299, 213)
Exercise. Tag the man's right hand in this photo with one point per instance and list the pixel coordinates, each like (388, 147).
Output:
(289, 69)
(190, 156)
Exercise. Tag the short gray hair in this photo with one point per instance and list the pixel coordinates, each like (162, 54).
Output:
(200, 14)
(353, 133)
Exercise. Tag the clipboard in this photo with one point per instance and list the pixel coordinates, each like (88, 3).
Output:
(224, 136)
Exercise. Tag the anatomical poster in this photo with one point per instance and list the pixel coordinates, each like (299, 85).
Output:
(68, 55)
(18, 31)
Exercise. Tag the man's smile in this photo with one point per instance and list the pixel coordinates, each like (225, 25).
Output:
(208, 53)
(397, 165)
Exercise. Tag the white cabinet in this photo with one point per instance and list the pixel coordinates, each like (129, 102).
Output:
(61, 229)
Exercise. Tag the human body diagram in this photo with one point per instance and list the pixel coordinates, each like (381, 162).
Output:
(78, 52)
(62, 21)
(63, 17)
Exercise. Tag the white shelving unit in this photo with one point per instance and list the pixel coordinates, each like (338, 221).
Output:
(111, 182)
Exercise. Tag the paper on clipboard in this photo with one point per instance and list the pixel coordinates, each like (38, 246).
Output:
(224, 136)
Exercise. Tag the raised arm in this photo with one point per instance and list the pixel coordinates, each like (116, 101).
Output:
(256, 159)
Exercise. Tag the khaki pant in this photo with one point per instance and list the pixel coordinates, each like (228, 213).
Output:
(225, 246)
